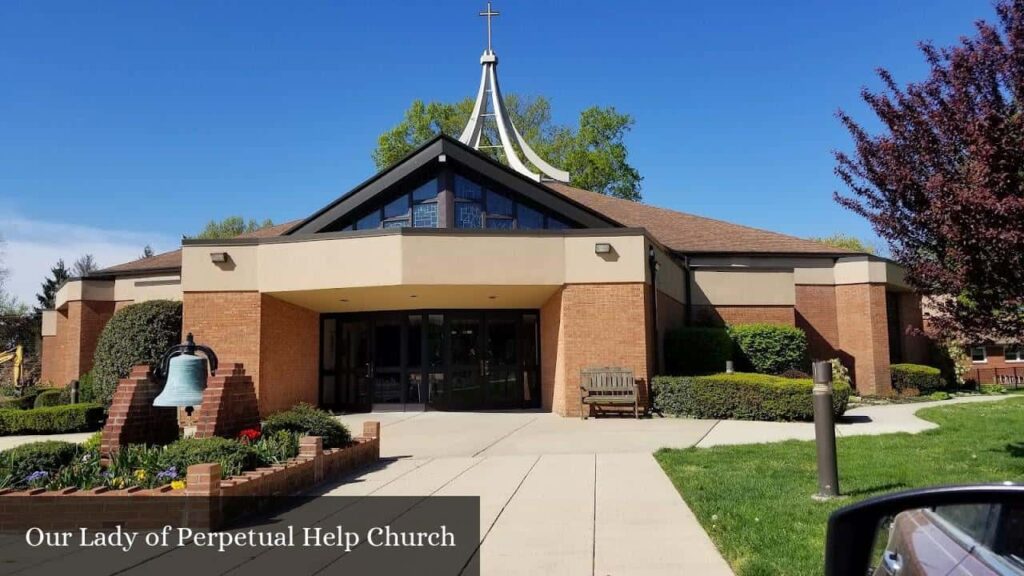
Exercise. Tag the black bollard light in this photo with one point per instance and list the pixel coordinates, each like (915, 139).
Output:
(825, 432)
(75, 391)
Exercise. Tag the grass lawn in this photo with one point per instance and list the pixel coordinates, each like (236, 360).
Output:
(755, 500)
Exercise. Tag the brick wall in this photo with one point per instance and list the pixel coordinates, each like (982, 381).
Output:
(551, 362)
(816, 315)
(51, 370)
(69, 353)
(863, 336)
(228, 322)
(276, 341)
(593, 325)
(722, 315)
(289, 355)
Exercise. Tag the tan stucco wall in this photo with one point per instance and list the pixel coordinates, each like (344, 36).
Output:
(743, 288)
(428, 260)
(49, 321)
(144, 288)
(122, 289)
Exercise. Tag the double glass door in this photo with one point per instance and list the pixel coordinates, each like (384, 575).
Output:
(448, 360)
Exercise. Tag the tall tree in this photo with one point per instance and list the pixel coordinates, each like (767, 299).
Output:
(230, 227)
(59, 274)
(84, 265)
(594, 153)
(943, 183)
(840, 240)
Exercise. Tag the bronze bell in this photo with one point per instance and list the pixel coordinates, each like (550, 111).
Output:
(185, 375)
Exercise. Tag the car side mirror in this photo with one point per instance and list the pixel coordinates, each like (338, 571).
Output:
(976, 530)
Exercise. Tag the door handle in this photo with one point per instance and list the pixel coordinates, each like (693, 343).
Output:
(892, 563)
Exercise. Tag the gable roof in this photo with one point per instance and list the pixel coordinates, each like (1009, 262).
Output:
(692, 234)
(430, 154)
(171, 261)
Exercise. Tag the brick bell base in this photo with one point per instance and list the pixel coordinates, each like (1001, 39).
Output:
(229, 403)
(133, 419)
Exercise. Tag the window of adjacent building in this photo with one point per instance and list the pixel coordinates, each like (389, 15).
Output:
(978, 355)
(424, 205)
(1014, 353)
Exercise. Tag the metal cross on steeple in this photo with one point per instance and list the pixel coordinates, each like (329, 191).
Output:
(489, 97)
(488, 14)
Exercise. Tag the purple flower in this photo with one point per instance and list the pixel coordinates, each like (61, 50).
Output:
(169, 474)
(37, 476)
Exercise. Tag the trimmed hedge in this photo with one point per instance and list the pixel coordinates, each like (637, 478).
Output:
(23, 402)
(741, 396)
(769, 348)
(50, 397)
(47, 456)
(309, 421)
(51, 420)
(697, 350)
(924, 379)
(136, 334)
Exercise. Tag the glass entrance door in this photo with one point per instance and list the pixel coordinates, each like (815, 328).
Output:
(386, 367)
(501, 361)
(447, 360)
(345, 365)
(466, 362)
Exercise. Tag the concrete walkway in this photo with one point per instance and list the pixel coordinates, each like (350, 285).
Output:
(570, 496)
(557, 495)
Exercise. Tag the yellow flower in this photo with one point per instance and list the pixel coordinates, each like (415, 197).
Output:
(140, 475)
(178, 485)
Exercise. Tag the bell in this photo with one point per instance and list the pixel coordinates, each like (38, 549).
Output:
(186, 380)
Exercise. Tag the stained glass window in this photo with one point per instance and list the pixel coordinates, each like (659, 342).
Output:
(499, 223)
(397, 207)
(371, 220)
(529, 219)
(467, 189)
(499, 204)
(400, 223)
(467, 215)
(424, 215)
(556, 224)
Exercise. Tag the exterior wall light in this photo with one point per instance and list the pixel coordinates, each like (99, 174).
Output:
(219, 257)
(602, 248)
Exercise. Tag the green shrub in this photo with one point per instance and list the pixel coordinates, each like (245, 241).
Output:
(233, 456)
(50, 397)
(940, 395)
(92, 443)
(51, 420)
(276, 448)
(909, 377)
(770, 348)
(992, 389)
(85, 390)
(697, 350)
(48, 456)
(18, 402)
(741, 396)
(309, 421)
(136, 334)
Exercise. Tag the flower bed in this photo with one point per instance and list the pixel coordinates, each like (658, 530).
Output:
(217, 497)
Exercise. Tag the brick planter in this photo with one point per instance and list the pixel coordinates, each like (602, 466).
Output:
(208, 501)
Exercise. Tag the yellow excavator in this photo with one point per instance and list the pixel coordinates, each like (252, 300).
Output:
(17, 356)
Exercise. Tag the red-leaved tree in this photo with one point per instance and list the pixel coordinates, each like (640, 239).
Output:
(944, 183)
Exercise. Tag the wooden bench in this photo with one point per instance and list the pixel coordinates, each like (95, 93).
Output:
(608, 386)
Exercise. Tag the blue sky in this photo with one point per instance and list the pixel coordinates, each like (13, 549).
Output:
(127, 122)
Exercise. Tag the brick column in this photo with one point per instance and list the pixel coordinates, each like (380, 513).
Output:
(133, 419)
(864, 336)
(229, 403)
(202, 491)
(312, 448)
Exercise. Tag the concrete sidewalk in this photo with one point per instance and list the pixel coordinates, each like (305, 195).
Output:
(866, 420)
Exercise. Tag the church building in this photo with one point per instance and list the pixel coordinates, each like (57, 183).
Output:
(451, 281)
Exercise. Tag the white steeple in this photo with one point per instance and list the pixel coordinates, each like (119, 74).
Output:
(490, 93)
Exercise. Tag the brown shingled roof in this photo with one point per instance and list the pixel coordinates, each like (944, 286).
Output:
(172, 259)
(692, 234)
